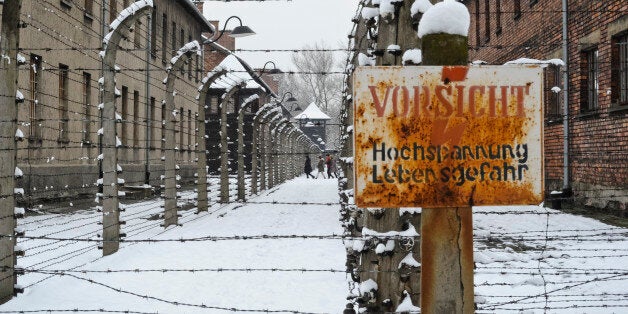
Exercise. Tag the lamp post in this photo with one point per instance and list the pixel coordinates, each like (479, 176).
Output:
(238, 31)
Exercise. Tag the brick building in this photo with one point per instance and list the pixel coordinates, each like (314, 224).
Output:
(598, 86)
(60, 117)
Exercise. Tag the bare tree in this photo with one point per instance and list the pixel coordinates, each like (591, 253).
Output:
(315, 82)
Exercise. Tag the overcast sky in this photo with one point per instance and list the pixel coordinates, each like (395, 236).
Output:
(285, 25)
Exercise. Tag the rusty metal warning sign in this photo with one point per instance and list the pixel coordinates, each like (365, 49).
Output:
(448, 136)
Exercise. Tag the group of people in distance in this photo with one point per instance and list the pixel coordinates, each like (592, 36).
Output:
(328, 162)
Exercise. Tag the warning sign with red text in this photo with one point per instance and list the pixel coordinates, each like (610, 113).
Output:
(433, 136)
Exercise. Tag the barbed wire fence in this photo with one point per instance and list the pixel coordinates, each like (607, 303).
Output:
(37, 238)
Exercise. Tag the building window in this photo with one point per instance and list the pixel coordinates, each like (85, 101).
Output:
(151, 123)
(136, 119)
(190, 130)
(533, 2)
(619, 70)
(153, 33)
(136, 34)
(87, 106)
(487, 21)
(163, 125)
(552, 93)
(181, 43)
(113, 10)
(589, 84)
(174, 38)
(190, 61)
(89, 7)
(124, 113)
(181, 133)
(498, 17)
(517, 8)
(63, 102)
(35, 106)
(197, 70)
(164, 37)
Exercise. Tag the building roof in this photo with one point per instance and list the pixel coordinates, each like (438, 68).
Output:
(192, 9)
(312, 112)
(239, 70)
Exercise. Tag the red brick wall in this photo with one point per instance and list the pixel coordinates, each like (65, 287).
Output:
(599, 141)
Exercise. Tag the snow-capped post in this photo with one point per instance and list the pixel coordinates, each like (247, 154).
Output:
(201, 150)
(447, 233)
(241, 184)
(224, 143)
(111, 210)
(10, 35)
(170, 173)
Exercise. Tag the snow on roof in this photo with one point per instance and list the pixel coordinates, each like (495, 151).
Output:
(556, 62)
(449, 17)
(312, 112)
(236, 72)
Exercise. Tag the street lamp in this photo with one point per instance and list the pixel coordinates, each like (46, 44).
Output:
(274, 70)
(238, 31)
(291, 99)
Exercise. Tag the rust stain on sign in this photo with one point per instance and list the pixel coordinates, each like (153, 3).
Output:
(448, 136)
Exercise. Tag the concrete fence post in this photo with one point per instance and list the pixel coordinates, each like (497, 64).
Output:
(224, 142)
(109, 158)
(9, 44)
(201, 151)
(170, 173)
(241, 184)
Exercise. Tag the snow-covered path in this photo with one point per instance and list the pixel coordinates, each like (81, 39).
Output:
(281, 252)
(226, 276)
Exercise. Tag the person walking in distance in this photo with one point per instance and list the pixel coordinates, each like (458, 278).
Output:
(330, 166)
(308, 167)
(320, 167)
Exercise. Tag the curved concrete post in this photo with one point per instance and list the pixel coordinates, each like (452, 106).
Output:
(224, 143)
(264, 147)
(280, 151)
(272, 147)
(170, 173)
(201, 151)
(255, 150)
(241, 184)
(111, 211)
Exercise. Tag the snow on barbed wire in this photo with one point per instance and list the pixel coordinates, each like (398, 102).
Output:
(449, 17)
(369, 13)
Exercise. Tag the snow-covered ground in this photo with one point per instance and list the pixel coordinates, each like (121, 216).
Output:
(242, 257)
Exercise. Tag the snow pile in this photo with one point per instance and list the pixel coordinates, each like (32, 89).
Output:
(364, 60)
(556, 62)
(130, 10)
(412, 56)
(449, 17)
(420, 6)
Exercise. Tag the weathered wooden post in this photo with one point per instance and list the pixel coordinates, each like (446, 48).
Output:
(241, 184)
(9, 44)
(111, 211)
(380, 262)
(224, 143)
(170, 173)
(201, 184)
(447, 233)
